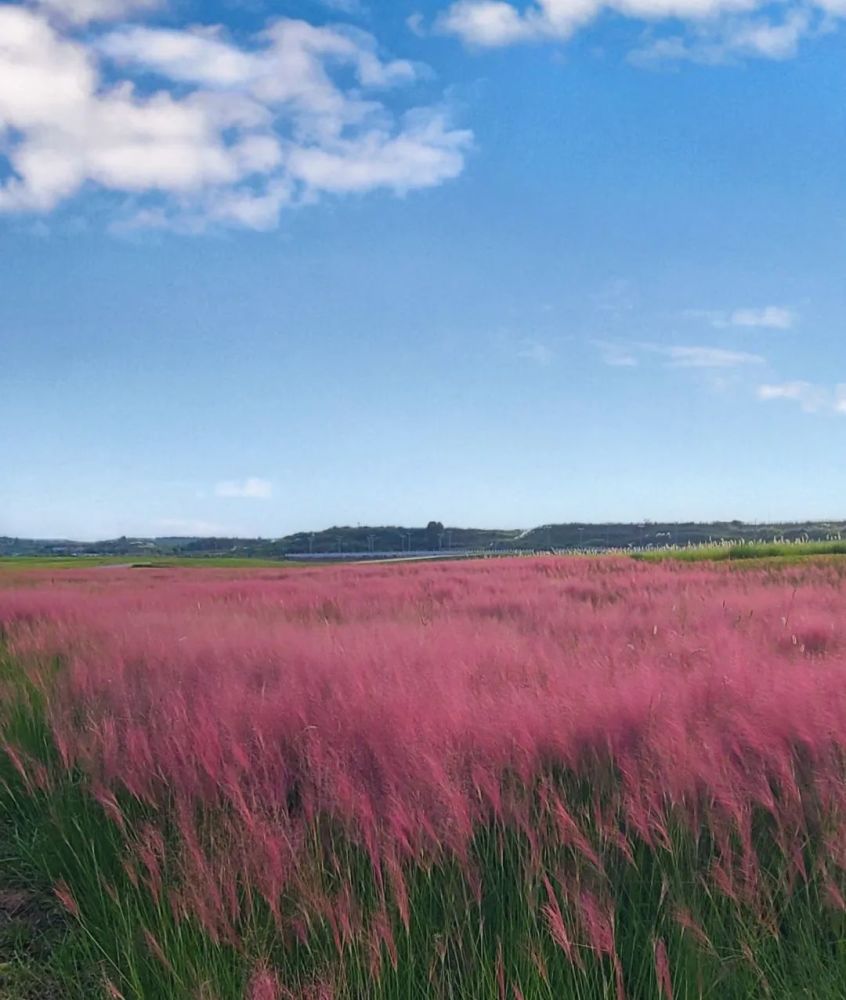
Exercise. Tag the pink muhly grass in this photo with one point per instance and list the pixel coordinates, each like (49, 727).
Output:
(113, 992)
(264, 985)
(109, 804)
(156, 949)
(597, 920)
(400, 892)
(150, 849)
(346, 912)
(62, 892)
(20, 762)
(618, 977)
(570, 833)
(402, 707)
(723, 876)
(539, 963)
(555, 921)
(109, 889)
(130, 869)
(382, 934)
(685, 919)
(314, 991)
(500, 972)
(662, 969)
(607, 825)
(832, 893)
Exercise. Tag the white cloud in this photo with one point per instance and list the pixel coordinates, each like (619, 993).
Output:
(229, 134)
(717, 31)
(489, 23)
(764, 39)
(415, 24)
(784, 390)
(493, 23)
(764, 317)
(707, 357)
(616, 297)
(620, 355)
(729, 38)
(291, 64)
(424, 153)
(190, 56)
(534, 350)
(251, 488)
(352, 8)
(770, 317)
(812, 398)
(616, 355)
(86, 11)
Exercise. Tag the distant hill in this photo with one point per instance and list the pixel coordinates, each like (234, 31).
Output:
(435, 537)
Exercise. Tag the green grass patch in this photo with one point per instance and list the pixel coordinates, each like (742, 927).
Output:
(756, 551)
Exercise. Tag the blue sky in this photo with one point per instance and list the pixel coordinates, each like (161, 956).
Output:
(267, 267)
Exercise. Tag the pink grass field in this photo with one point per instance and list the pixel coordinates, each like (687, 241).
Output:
(399, 703)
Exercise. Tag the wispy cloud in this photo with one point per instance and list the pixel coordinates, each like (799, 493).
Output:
(88, 11)
(811, 397)
(616, 355)
(759, 317)
(416, 24)
(631, 354)
(534, 350)
(728, 39)
(716, 31)
(251, 488)
(706, 357)
(616, 297)
(352, 8)
(768, 317)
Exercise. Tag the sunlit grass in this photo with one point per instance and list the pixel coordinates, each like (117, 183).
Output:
(787, 551)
